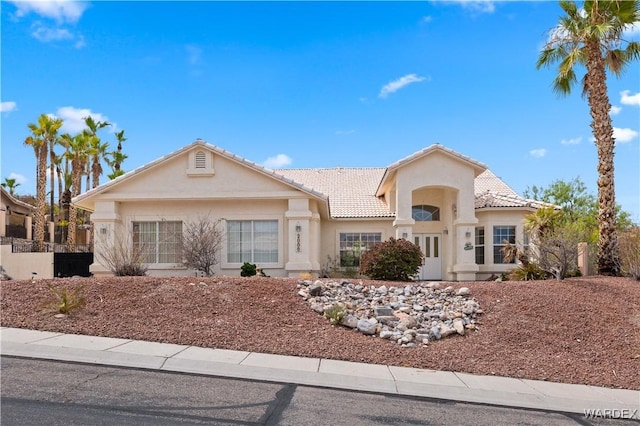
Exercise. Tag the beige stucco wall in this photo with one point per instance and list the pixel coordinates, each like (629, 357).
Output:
(228, 191)
(488, 219)
(21, 266)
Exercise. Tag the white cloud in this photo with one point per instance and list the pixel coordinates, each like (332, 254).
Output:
(7, 106)
(394, 86)
(426, 19)
(60, 10)
(632, 30)
(277, 162)
(74, 119)
(47, 34)
(615, 110)
(21, 179)
(624, 135)
(573, 141)
(627, 99)
(538, 153)
(482, 6)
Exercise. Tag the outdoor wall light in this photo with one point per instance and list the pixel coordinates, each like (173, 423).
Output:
(467, 234)
(445, 231)
(405, 235)
(298, 228)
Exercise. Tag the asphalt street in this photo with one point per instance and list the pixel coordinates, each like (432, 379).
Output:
(62, 393)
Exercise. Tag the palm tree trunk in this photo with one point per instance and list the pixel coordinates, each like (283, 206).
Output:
(41, 195)
(599, 106)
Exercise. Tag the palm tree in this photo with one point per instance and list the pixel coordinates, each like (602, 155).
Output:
(118, 156)
(40, 151)
(591, 36)
(116, 159)
(47, 130)
(98, 150)
(77, 154)
(10, 184)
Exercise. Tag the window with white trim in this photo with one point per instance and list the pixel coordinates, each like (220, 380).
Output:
(501, 236)
(479, 245)
(160, 241)
(254, 241)
(353, 244)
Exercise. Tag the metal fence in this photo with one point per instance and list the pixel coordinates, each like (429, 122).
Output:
(19, 245)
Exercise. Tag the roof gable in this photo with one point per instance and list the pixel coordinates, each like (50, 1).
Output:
(162, 176)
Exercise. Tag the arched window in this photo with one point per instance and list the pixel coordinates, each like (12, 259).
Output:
(422, 213)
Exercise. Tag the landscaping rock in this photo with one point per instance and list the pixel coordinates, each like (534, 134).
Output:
(410, 315)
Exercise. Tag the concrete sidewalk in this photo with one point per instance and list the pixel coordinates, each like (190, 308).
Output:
(501, 391)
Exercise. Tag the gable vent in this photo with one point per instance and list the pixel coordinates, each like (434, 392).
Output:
(201, 160)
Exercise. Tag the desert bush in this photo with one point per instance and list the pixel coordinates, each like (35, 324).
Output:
(629, 244)
(528, 272)
(201, 243)
(556, 251)
(391, 260)
(65, 301)
(121, 256)
(335, 313)
(248, 270)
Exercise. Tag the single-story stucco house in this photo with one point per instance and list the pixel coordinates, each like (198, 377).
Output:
(16, 216)
(295, 221)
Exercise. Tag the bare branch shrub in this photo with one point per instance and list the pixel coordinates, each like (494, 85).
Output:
(556, 250)
(201, 243)
(121, 256)
(629, 244)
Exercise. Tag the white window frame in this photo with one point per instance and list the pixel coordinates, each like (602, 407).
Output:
(157, 243)
(339, 240)
(496, 247)
(225, 264)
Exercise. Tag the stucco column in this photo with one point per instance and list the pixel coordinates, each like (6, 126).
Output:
(109, 233)
(298, 225)
(51, 226)
(403, 224)
(3, 223)
(465, 266)
(28, 224)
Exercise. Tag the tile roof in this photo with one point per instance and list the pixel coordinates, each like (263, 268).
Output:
(351, 191)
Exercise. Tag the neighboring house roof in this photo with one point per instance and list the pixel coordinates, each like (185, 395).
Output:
(351, 191)
(10, 198)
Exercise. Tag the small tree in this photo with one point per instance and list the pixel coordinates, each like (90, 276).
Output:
(391, 260)
(201, 243)
(556, 250)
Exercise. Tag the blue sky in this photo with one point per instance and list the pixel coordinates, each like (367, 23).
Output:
(310, 84)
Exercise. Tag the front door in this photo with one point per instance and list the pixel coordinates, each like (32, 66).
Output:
(431, 246)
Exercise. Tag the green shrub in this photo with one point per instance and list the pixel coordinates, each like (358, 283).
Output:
(65, 301)
(335, 313)
(248, 269)
(528, 272)
(391, 260)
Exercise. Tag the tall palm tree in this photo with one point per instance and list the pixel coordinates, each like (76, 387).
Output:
(98, 150)
(78, 155)
(10, 184)
(118, 156)
(592, 36)
(40, 151)
(47, 129)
